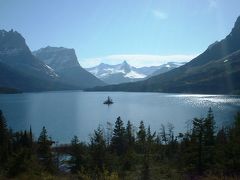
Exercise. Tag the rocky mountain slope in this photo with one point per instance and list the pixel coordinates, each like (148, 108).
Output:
(64, 63)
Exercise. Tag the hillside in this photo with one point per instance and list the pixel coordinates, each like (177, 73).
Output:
(217, 70)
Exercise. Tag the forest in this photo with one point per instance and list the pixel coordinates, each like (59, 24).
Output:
(121, 151)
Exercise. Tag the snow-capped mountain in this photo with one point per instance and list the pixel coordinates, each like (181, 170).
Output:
(167, 67)
(121, 73)
(115, 74)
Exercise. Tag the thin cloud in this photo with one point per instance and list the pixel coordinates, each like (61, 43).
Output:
(159, 14)
(137, 60)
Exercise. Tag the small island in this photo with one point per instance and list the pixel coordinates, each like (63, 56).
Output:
(109, 101)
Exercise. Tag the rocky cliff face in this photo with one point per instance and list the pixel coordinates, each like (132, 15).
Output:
(64, 62)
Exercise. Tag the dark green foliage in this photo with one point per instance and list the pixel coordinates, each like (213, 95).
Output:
(44, 150)
(141, 138)
(130, 135)
(4, 140)
(118, 140)
(233, 147)
(199, 145)
(98, 151)
(203, 151)
(198, 142)
(77, 155)
(141, 134)
(209, 139)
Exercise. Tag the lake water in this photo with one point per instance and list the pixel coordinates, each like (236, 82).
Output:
(70, 113)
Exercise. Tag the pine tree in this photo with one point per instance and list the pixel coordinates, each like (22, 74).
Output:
(44, 150)
(118, 139)
(130, 134)
(220, 148)
(4, 140)
(141, 138)
(76, 161)
(233, 147)
(150, 137)
(209, 139)
(163, 134)
(98, 150)
(141, 134)
(198, 143)
(128, 160)
(31, 136)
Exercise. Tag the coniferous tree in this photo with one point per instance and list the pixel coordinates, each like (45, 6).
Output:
(118, 139)
(233, 147)
(220, 151)
(141, 134)
(171, 142)
(141, 138)
(44, 150)
(130, 134)
(150, 137)
(31, 136)
(209, 139)
(4, 140)
(197, 142)
(98, 151)
(163, 134)
(76, 161)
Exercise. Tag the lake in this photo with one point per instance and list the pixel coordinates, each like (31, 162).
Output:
(70, 113)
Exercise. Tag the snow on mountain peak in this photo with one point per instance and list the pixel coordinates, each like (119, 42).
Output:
(119, 73)
(135, 75)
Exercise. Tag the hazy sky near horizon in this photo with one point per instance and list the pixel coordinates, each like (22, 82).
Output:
(143, 32)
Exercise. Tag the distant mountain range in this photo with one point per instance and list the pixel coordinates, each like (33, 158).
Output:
(216, 70)
(22, 71)
(121, 73)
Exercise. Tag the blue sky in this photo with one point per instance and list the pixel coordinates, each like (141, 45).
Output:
(143, 32)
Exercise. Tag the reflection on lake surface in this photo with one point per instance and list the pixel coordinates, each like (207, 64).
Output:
(66, 114)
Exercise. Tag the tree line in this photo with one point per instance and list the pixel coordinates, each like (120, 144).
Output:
(122, 152)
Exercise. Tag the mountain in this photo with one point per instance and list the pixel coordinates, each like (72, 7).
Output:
(167, 67)
(64, 63)
(15, 53)
(120, 73)
(20, 70)
(115, 74)
(216, 70)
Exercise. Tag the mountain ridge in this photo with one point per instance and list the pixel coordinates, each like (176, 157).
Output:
(204, 74)
(21, 70)
(124, 72)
